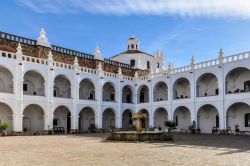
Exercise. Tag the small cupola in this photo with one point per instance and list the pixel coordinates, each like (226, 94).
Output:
(133, 43)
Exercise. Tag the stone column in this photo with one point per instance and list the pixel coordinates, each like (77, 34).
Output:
(18, 87)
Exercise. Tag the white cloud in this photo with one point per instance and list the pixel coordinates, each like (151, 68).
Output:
(228, 8)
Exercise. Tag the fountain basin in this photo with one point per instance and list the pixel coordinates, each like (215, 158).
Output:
(140, 136)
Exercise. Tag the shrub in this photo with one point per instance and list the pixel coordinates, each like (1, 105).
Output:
(4, 128)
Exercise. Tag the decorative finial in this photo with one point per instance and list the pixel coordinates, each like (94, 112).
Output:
(133, 36)
(42, 39)
(193, 60)
(221, 53)
(97, 53)
(119, 71)
(136, 74)
(19, 48)
(75, 60)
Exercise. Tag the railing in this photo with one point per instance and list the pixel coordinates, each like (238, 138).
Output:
(127, 78)
(108, 74)
(63, 65)
(182, 69)
(71, 52)
(87, 70)
(16, 38)
(7, 55)
(207, 64)
(34, 60)
(117, 63)
(236, 57)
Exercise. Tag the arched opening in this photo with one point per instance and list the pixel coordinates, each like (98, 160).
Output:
(62, 87)
(207, 118)
(62, 118)
(181, 89)
(108, 119)
(145, 122)
(160, 117)
(108, 93)
(127, 94)
(87, 90)
(33, 84)
(33, 118)
(148, 65)
(143, 94)
(161, 92)
(238, 81)
(6, 116)
(86, 118)
(132, 63)
(238, 114)
(127, 120)
(6, 80)
(182, 117)
(207, 85)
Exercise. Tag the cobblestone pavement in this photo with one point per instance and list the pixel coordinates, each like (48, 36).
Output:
(91, 149)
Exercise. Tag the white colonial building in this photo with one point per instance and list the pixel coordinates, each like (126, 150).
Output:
(43, 86)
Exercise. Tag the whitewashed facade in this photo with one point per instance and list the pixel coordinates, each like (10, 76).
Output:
(37, 94)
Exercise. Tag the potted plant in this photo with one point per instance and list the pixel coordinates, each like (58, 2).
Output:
(4, 127)
(171, 125)
(237, 129)
(192, 128)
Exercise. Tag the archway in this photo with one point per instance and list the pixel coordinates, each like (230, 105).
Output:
(160, 117)
(108, 92)
(62, 118)
(239, 114)
(238, 81)
(161, 91)
(86, 118)
(127, 120)
(6, 80)
(62, 87)
(207, 85)
(181, 89)
(182, 117)
(6, 116)
(33, 84)
(207, 118)
(127, 94)
(33, 118)
(145, 122)
(87, 90)
(143, 94)
(108, 119)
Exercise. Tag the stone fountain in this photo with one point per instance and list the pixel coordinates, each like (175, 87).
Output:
(139, 135)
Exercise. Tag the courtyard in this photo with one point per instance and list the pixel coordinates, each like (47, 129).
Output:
(92, 149)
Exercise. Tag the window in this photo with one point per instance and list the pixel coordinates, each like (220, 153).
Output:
(132, 62)
(142, 97)
(136, 46)
(25, 87)
(217, 121)
(247, 120)
(148, 65)
(176, 120)
(91, 96)
(247, 86)
(132, 46)
(128, 47)
(55, 93)
(158, 65)
(216, 91)
(112, 97)
(55, 122)
(128, 99)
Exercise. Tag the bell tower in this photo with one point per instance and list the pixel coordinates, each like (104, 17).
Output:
(133, 43)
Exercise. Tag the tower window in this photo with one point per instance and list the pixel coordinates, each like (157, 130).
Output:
(132, 62)
(25, 87)
(136, 46)
(158, 65)
(132, 46)
(128, 47)
(148, 65)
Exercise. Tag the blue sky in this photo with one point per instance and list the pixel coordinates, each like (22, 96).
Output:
(179, 29)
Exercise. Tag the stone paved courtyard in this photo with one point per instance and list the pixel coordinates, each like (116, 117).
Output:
(91, 149)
